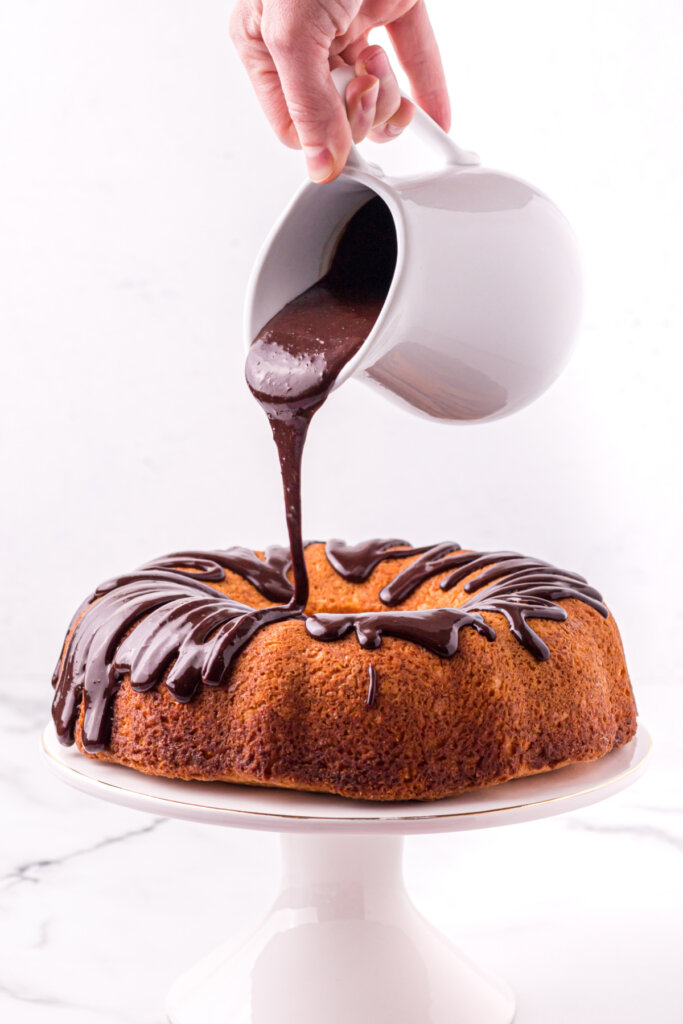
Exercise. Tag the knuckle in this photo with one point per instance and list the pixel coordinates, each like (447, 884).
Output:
(280, 35)
(306, 118)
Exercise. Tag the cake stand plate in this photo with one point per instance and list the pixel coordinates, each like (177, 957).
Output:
(343, 943)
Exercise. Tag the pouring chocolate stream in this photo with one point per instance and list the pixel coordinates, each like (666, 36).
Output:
(296, 358)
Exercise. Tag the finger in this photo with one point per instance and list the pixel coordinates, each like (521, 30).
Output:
(392, 128)
(361, 103)
(301, 60)
(349, 52)
(259, 65)
(374, 61)
(417, 50)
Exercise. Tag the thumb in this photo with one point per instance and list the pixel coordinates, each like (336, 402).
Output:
(315, 107)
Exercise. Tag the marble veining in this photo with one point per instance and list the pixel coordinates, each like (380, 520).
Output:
(30, 872)
(639, 831)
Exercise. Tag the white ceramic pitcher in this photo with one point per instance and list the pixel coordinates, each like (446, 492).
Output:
(485, 299)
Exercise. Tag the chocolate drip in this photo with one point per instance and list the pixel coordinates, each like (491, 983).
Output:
(294, 361)
(268, 575)
(153, 624)
(357, 562)
(434, 560)
(528, 589)
(503, 563)
(436, 629)
(372, 687)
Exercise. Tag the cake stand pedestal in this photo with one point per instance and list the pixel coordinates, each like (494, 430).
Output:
(343, 944)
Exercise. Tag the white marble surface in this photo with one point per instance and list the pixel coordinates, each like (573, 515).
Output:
(101, 907)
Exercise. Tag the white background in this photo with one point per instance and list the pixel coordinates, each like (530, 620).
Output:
(138, 179)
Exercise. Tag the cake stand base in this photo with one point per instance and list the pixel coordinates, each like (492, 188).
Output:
(342, 944)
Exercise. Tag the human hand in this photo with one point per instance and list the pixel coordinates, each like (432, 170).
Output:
(289, 47)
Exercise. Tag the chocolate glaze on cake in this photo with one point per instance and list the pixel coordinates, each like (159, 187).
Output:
(268, 575)
(435, 629)
(356, 562)
(163, 623)
(518, 588)
(372, 687)
(152, 624)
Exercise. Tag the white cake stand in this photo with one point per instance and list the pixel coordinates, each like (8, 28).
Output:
(342, 943)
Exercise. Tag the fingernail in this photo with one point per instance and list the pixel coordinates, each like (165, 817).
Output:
(393, 129)
(368, 99)
(318, 162)
(378, 65)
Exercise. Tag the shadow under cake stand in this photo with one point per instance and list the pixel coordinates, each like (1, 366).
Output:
(343, 944)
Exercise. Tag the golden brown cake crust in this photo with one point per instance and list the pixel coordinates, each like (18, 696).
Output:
(293, 711)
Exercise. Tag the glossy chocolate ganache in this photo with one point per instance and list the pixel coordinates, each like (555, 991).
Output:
(165, 622)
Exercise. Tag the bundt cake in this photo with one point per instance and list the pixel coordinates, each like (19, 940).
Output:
(413, 673)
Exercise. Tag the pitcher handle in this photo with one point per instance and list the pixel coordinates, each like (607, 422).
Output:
(422, 124)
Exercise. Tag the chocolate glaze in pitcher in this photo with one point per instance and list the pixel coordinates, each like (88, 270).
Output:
(296, 358)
